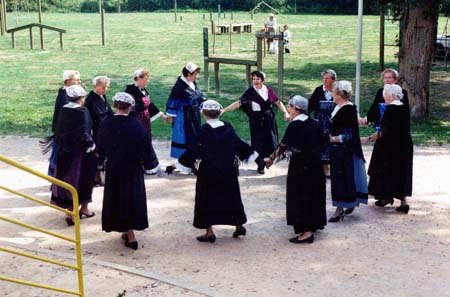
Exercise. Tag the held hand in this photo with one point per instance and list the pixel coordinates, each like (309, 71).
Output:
(362, 121)
(169, 119)
(287, 117)
(222, 111)
(269, 162)
(164, 118)
(365, 140)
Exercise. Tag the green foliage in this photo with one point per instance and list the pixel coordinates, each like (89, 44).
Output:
(29, 79)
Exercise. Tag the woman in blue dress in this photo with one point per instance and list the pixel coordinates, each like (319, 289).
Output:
(321, 104)
(348, 173)
(183, 110)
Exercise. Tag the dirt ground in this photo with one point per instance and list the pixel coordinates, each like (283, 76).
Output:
(373, 252)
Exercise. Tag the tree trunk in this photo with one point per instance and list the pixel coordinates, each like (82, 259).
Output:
(417, 42)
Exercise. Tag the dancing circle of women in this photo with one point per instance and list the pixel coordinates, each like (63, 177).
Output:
(321, 141)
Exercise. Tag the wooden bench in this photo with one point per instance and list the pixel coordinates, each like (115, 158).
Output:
(41, 27)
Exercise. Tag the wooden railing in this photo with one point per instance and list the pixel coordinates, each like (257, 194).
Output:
(41, 28)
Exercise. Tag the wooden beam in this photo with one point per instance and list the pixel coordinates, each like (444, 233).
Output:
(217, 78)
(232, 61)
(31, 37)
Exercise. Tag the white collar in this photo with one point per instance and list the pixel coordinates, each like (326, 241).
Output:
(189, 83)
(301, 117)
(337, 107)
(215, 123)
(72, 105)
(263, 92)
(120, 114)
(396, 102)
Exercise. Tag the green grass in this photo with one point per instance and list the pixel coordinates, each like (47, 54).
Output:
(29, 79)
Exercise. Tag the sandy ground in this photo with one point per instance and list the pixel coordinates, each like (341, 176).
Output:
(374, 252)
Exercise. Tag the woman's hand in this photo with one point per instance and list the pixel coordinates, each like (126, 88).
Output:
(169, 119)
(365, 140)
(287, 117)
(269, 162)
(362, 121)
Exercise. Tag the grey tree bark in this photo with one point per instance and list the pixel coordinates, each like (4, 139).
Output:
(417, 42)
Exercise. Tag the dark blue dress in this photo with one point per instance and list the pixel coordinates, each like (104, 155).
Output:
(184, 103)
(321, 103)
(125, 145)
(217, 193)
(348, 173)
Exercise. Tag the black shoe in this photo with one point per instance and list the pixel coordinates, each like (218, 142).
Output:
(349, 210)
(170, 169)
(383, 202)
(210, 238)
(337, 218)
(240, 231)
(69, 221)
(260, 169)
(132, 245)
(87, 214)
(306, 240)
(403, 208)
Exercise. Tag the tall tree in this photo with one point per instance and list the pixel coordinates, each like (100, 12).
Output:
(418, 30)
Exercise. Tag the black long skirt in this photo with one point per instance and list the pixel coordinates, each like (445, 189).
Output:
(305, 197)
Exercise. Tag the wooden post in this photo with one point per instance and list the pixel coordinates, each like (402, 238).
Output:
(181, 18)
(102, 17)
(213, 31)
(224, 15)
(40, 11)
(31, 37)
(203, 16)
(381, 53)
(231, 15)
(205, 58)
(216, 78)
(248, 80)
(210, 16)
(280, 67)
(231, 32)
(175, 9)
(251, 16)
(118, 6)
(2, 17)
(61, 43)
(41, 32)
(13, 40)
(259, 45)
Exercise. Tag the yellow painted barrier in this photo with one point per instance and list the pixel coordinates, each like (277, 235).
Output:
(76, 240)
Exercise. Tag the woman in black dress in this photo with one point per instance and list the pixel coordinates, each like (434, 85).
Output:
(322, 105)
(348, 173)
(258, 103)
(75, 160)
(306, 192)
(217, 194)
(144, 109)
(70, 77)
(99, 109)
(375, 113)
(125, 145)
(391, 165)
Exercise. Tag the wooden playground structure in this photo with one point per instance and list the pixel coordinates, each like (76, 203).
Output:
(261, 36)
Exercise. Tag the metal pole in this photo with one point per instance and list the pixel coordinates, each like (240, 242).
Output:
(381, 54)
(358, 54)
(175, 8)
(218, 15)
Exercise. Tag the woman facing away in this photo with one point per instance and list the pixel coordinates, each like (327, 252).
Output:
(305, 186)
(125, 145)
(348, 174)
(391, 165)
(75, 160)
(217, 193)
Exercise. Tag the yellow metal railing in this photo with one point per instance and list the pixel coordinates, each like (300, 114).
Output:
(77, 241)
